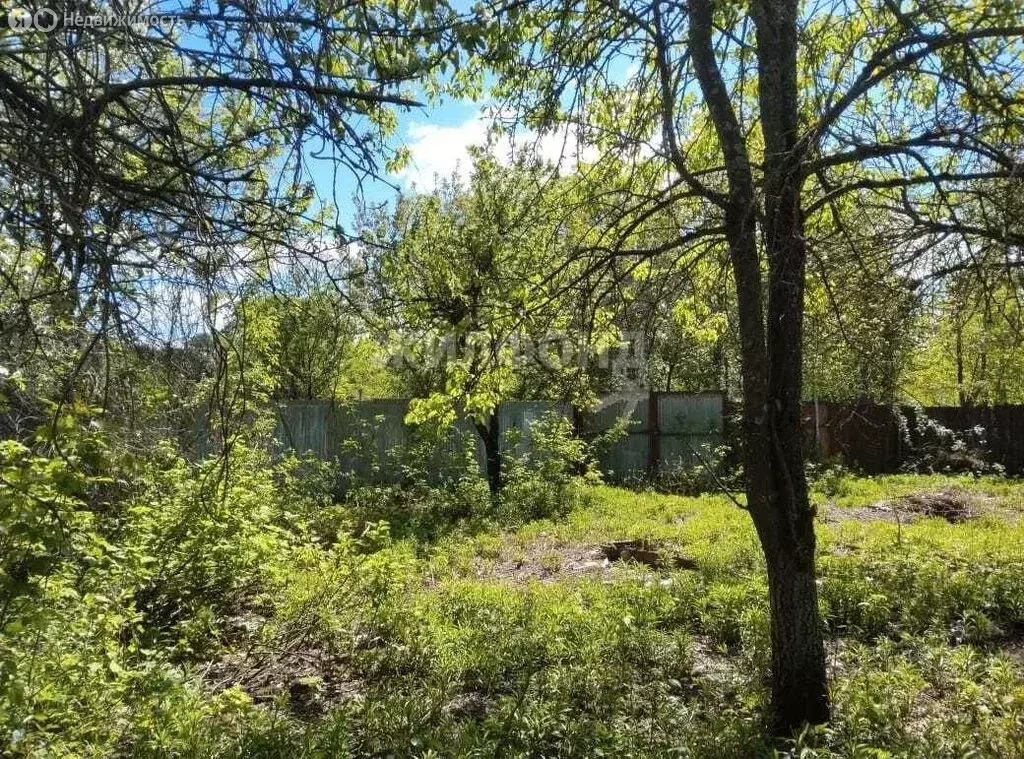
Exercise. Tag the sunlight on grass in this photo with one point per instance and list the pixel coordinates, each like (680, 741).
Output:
(923, 618)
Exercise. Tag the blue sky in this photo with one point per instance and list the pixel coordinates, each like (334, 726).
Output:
(438, 137)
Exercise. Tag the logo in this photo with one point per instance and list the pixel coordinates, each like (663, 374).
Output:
(19, 19)
(24, 20)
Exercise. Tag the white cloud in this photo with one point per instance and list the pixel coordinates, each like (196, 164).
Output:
(438, 152)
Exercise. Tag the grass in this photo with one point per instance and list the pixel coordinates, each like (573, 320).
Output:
(523, 642)
(924, 623)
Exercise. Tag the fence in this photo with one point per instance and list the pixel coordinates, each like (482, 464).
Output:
(866, 436)
(664, 430)
(878, 439)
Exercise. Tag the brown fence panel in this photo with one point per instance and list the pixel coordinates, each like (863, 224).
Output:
(871, 438)
(1003, 426)
(866, 436)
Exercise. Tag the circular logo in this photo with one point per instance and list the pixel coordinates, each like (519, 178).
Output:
(45, 20)
(19, 19)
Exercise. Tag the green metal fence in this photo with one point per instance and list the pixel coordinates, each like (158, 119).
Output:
(664, 430)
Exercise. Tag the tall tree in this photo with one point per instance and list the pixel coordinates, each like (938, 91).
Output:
(765, 116)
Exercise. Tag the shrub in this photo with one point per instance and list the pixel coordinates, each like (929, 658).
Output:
(829, 477)
(102, 601)
(936, 448)
(711, 469)
(552, 478)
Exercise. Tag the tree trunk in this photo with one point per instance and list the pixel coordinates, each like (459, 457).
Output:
(798, 663)
(490, 434)
(771, 347)
(961, 393)
(799, 680)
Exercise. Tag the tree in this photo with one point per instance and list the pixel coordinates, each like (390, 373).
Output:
(472, 279)
(307, 345)
(149, 170)
(863, 325)
(776, 120)
(973, 346)
(687, 319)
(973, 328)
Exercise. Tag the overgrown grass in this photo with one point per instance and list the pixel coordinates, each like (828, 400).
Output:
(331, 637)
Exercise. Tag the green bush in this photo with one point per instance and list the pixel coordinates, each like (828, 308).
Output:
(233, 607)
(553, 478)
(710, 469)
(105, 602)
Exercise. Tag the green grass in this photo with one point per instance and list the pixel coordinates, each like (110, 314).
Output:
(923, 621)
(514, 642)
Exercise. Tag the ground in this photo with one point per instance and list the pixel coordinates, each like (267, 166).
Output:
(547, 640)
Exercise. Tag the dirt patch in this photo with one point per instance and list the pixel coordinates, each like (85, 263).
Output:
(883, 511)
(1008, 642)
(952, 504)
(312, 678)
(711, 664)
(646, 552)
(468, 705)
(1014, 651)
(546, 562)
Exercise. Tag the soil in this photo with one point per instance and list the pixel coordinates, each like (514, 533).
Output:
(952, 504)
(546, 562)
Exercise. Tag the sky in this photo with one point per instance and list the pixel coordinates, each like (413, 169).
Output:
(438, 137)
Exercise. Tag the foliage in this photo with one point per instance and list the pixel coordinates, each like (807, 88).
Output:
(165, 249)
(552, 479)
(936, 448)
(711, 469)
(179, 616)
(829, 477)
(478, 283)
(861, 329)
(309, 345)
(145, 159)
(973, 345)
(46, 514)
(112, 589)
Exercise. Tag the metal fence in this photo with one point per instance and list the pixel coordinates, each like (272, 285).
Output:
(666, 430)
(663, 430)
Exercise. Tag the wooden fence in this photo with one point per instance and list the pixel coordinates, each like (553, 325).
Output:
(880, 439)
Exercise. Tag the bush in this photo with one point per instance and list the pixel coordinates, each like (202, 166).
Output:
(102, 600)
(710, 474)
(830, 477)
(710, 470)
(433, 491)
(552, 478)
(936, 448)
